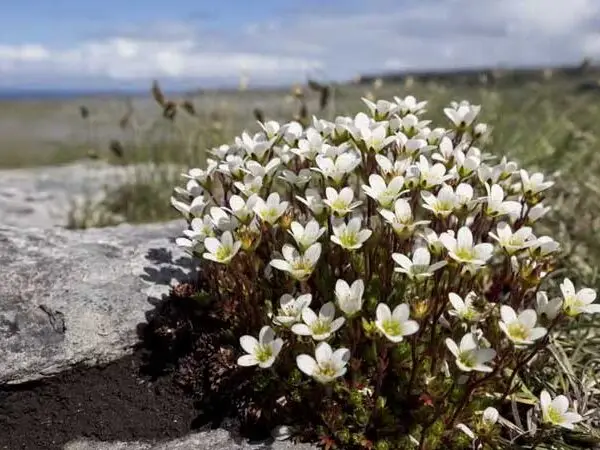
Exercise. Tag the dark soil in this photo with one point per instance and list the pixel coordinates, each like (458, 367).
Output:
(183, 377)
(115, 402)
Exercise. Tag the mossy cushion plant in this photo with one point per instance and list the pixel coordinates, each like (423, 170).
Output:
(388, 281)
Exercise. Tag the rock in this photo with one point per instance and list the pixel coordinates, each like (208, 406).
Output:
(77, 297)
(42, 197)
(206, 440)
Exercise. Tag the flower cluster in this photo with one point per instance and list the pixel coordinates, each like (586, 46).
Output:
(394, 264)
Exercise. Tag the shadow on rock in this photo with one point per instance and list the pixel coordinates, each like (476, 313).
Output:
(187, 337)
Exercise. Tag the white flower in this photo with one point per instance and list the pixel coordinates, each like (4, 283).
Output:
(232, 166)
(252, 184)
(200, 229)
(443, 204)
(327, 365)
(202, 175)
(537, 212)
(395, 325)
(409, 105)
(192, 189)
(535, 183)
(445, 150)
(374, 138)
(195, 208)
(397, 168)
(469, 355)
(490, 416)
(298, 180)
(223, 250)
(578, 302)
(271, 210)
(556, 411)
(262, 351)
(312, 199)
(300, 266)
(220, 152)
(520, 329)
(420, 266)
(242, 210)
(338, 169)
(319, 327)
(513, 242)
(496, 206)
(310, 147)
(221, 220)
(381, 109)
(462, 249)
(431, 176)
(464, 310)
(291, 132)
(544, 245)
(306, 236)
(349, 298)
(401, 219)
(350, 236)
(382, 193)
(340, 203)
(464, 196)
(462, 115)
(434, 244)
(466, 164)
(290, 309)
(545, 307)
(256, 169)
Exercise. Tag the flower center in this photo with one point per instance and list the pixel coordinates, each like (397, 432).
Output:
(321, 327)
(348, 239)
(518, 331)
(466, 254)
(303, 266)
(469, 314)
(327, 370)
(339, 204)
(263, 353)
(467, 359)
(270, 214)
(444, 205)
(223, 252)
(392, 327)
(554, 416)
(419, 268)
(572, 305)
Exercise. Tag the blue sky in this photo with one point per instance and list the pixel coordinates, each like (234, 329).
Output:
(125, 43)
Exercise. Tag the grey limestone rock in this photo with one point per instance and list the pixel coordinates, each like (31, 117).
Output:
(77, 297)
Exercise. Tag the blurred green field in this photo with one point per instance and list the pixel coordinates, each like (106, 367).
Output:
(547, 121)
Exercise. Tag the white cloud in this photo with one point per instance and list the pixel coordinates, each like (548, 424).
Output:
(390, 35)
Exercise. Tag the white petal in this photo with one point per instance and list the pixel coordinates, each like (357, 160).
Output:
(247, 360)
(248, 343)
(323, 353)
(464, 238)
(281, 265)
(401, 312)
(327, 311)
(383, 312)
(301, 329)
(452, 347)
(507, 314)
(266, 335)
(212, 244)
(306, 364)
